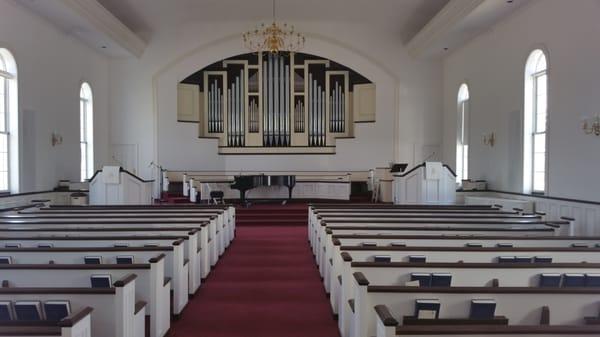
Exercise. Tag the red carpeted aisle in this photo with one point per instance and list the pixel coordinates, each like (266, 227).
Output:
(266, 285)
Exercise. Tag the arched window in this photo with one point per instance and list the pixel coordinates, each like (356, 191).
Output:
(462, 134)
(535, 120)
(86, 131)
(9, 124)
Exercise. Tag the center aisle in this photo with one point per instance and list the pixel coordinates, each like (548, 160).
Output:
(265, 285)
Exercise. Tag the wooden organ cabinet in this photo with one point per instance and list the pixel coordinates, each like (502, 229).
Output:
(276, 103)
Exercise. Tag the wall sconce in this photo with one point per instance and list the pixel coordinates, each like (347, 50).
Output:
(591, 126)
(56, 139)
(489, 139)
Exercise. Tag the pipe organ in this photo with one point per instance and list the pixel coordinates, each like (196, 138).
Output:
(277, 103)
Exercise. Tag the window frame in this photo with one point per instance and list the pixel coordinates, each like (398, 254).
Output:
(6, 77)
(462, 141)
(86, 116)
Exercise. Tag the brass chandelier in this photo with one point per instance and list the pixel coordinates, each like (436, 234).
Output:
(273, 38)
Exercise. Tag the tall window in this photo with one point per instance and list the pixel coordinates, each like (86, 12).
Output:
(9, 169)
(86, 129)
(462, 135)
(536, 110)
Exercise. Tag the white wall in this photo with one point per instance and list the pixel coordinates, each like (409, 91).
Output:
(493, 66)
(408, 101)
(51, 67)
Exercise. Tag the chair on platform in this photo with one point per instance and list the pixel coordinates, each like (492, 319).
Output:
(216, 197)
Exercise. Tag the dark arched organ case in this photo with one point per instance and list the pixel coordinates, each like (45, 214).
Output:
(276, 103)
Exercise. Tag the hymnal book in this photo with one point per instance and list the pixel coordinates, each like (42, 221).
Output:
(474, 245)
(580, 245)
(5, 260)
(382, 258)
(92, 259)
(504, 245)
(573, 280)
(417, 258)
(441, 279)
(398, 244)
(423, 278)
(151, 244)
(548, 280)
(412, 283)
(121, 245)
(523, 259)
(101, 281)
(57, 310)
(125, 259)
(542, 259)
(482, 309)
(506, 259)
(427, 305)
(426, 314)
(368, 244)
(6, 311)
(28, 310)
(592, 280)
(45, 245)
(12, 245)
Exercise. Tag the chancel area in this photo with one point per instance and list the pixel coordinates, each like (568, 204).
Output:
(269, 168)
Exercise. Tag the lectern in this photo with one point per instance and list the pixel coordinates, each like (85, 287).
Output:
(428, 183)
(115, 186)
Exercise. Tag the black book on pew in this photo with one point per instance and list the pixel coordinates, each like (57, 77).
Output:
(5, 260)
(427, 308)
(56, 310)
(523, 259)
(45, 245)
(504, 245)
(398, 244)
(423, 278)
(6, 312)
(92, 259)
(368, 244)
(28, 310)
(573, 280)
(550, 280)
(506, 259)
(542, 259)
(125, 259)
(580, 245)
(12, 245)
(592, 280)
(482, 309)
(417, 258)
(474, 245)
(101, 281)
(382, 258)
(441, 279)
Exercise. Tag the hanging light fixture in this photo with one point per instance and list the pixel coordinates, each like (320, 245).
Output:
(273, 38)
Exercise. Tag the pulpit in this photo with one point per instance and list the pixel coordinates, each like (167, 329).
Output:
(115, 186)
(428, 183)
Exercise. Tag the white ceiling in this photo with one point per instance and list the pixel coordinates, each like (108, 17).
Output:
(404, 17)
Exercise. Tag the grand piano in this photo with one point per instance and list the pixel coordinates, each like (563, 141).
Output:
(244, 183)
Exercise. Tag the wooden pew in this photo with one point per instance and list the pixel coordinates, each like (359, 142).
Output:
(116, 314)
(151, 286)
(77, 324)
(175, 267)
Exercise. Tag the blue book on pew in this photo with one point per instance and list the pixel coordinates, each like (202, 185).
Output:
(523, 259)
(12, 245)
(56, 310)
(506, 259)
(28, 310)
(417, 258)
(482, 309)
(121, 245)
(542, 259)
(125, 259)
(592, 280)
(92, 259)
(45, 245)
(382, 258)
(6, 312)
(580, 245)
(427, 308)
(423, 278)
(504, 245)
(398, 244)
(101, 281)
(441, 279)
(368, 244)
(5, 260)
(573, 280)
(550, 280)
(151, 244)
(474, 245)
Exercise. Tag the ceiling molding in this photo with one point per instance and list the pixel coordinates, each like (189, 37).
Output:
(449, 16)
(106, 23)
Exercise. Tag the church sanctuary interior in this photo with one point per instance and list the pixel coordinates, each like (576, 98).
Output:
(287, 168)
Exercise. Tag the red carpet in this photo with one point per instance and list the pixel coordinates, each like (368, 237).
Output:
(266, 285)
